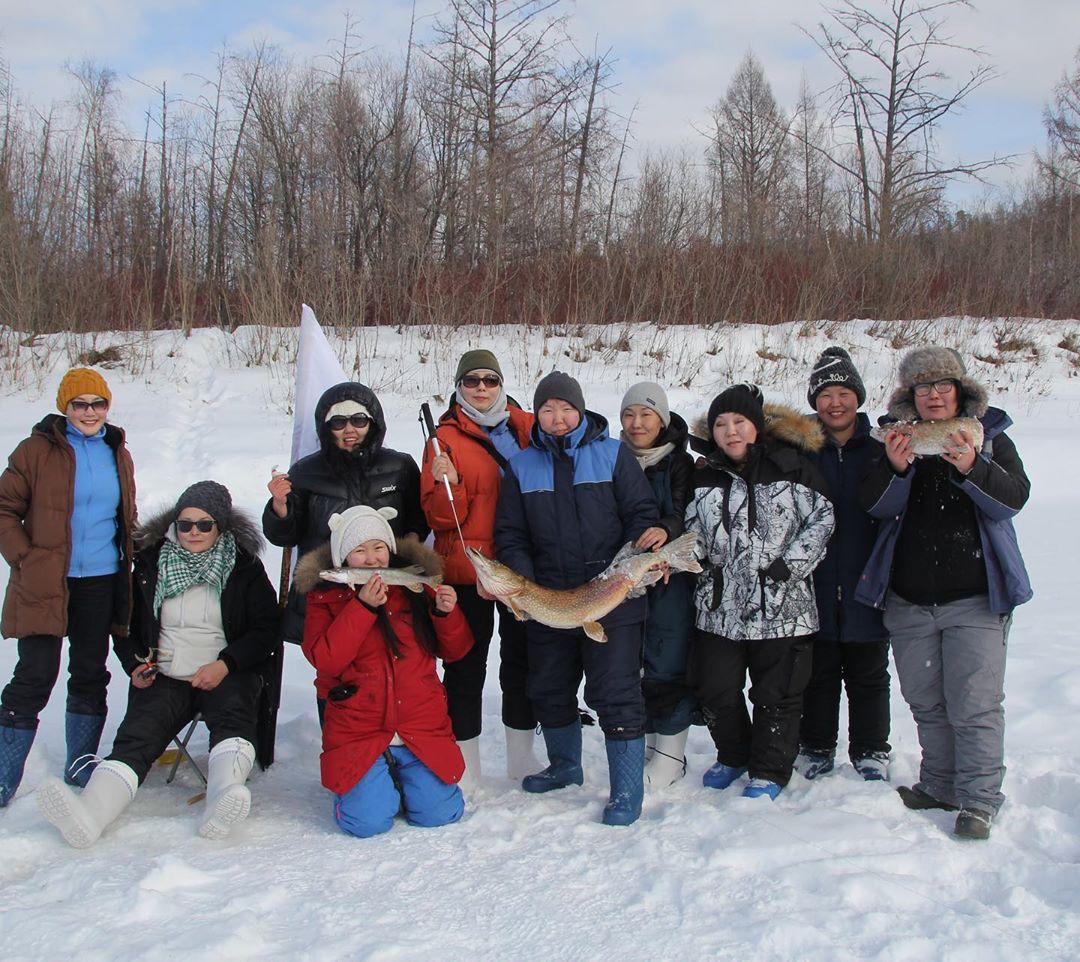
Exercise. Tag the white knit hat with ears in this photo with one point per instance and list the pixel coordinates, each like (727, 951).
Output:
(353, 527)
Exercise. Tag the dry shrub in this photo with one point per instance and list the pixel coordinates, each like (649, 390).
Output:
(1071, 342)
(766, 355)
(107, 357)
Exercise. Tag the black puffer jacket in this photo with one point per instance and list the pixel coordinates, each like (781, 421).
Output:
(249, 610)
(331, 480)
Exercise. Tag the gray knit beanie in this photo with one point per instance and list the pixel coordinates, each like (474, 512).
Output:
(562, 386)
(208, 496)
(834, 367)
(648, 395)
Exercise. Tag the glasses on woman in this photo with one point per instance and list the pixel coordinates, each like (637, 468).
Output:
(339, 421)
(474, 381)
(205, 525)
(942, 387)
(81, 407)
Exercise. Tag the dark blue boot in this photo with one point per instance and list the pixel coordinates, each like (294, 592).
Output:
(626, 767)
(83, 734)
(564, 760)
(14, 747)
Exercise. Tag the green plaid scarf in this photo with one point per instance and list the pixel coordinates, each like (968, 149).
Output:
(180, 569)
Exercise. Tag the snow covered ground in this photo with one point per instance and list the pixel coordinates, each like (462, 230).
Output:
(837, 869)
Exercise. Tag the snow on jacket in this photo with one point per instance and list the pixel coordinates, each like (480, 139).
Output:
(997, 486)
(37, 498)
(332, 480)
(762, 529)
(567, 505)
(836, 579)
(476, 494)
(248, 602)
(394, 696)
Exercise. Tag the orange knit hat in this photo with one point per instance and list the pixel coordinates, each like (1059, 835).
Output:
(81, 380)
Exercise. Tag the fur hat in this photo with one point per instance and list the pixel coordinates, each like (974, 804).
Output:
(562, 386)
(208, 496)
(477, 361)
(648, 395)
(744, 399)
(835, 368)
(81, 380)
(924, 365)
(358, 524)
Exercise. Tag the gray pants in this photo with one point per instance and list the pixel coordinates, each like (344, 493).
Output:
(950, 660)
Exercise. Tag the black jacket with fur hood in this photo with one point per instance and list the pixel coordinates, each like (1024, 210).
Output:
(249, 609)
(763, 526)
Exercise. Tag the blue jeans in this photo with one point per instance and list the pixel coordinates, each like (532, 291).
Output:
(369, 807)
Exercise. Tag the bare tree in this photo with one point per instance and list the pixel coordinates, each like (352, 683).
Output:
(750, 144)
(1062, 118)
(894, 96)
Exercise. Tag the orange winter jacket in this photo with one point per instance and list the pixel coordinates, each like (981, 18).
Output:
(475, 495)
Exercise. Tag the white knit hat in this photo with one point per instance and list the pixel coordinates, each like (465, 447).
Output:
(358, 524)
(345, 409)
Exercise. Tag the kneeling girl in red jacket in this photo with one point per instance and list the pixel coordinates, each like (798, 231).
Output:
(387, 740)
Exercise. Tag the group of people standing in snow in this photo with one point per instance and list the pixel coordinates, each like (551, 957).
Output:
(820, 546)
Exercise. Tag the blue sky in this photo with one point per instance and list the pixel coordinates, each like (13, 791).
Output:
(675, 58)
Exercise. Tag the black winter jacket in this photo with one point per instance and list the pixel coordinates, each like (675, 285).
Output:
(249, 609)
(841, 617)
(330, 481)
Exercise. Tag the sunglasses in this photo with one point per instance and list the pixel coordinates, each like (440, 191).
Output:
(205, 525)
(942, 387)
(488, 380)
(339, 421)
(80, 407)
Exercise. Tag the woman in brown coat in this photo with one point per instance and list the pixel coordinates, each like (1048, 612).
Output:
(67, 511)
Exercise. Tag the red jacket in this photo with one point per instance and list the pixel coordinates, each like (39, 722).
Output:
(476, 494)
(393, 695)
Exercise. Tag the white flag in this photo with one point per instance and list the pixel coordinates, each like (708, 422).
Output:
(317, 368)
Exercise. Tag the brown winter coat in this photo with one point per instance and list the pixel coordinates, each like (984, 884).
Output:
(37, 493)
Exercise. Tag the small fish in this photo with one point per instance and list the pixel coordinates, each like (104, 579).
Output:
(630, 573)
(932, 437)
(412, 577)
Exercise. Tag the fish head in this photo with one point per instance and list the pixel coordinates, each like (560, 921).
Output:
(496, 578)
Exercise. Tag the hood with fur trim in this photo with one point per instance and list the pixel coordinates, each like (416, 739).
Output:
(409, 552)
(247, 534)
(923, 365)
(782, 423)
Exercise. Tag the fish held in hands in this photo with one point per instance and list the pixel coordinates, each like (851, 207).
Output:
(629, 575)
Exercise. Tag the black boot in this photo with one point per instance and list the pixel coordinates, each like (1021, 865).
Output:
(973, 823)
(919, 800)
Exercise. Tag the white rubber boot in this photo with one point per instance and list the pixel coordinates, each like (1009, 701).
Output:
(470, 751)
(668, 762)
(650, 746)
(228, 799)
(82, 818)
(521, 757)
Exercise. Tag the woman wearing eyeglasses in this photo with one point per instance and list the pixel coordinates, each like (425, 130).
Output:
(67, 512)
(203, 622)
(351, 467)
(947, 569)
(479, 433)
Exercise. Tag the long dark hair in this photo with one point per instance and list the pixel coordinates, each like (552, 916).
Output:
(420, 608)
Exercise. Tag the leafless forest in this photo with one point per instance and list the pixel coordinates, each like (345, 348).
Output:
(484, 177)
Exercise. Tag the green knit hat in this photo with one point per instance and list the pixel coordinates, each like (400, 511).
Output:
(476, 361)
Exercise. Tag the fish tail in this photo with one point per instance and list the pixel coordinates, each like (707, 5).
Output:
(681, 554)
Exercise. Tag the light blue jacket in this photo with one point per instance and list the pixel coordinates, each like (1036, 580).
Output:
(94, 518)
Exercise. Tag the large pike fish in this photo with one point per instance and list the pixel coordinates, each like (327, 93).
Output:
(932, 437)
(410, 577)
(630, 573)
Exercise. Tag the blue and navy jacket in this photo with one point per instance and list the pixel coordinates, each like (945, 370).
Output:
(567, 505)
(998, 487)
(836, 579)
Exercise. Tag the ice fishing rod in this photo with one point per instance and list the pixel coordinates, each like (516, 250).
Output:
(428, 424)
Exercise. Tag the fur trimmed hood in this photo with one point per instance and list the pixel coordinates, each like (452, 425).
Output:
(927, 364)
(782, 423)
(247, 534)
(409, 551)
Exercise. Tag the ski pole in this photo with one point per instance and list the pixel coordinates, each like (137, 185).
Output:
(429, 425)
